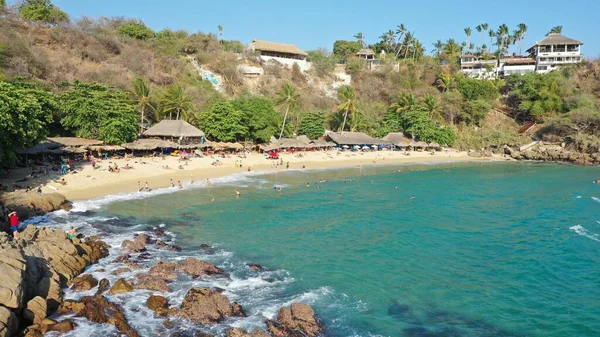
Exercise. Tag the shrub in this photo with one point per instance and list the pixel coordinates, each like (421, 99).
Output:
(136, 30)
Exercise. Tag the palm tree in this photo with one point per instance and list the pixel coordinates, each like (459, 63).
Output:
(522, 30)
(408, 39)
(501, 33)
(140, 92)
(555, 30)
(439, 46)
(430, 105)
(444, 82)
(401, 31)
(485, 27)
(360, 38)
(348, 102)
(452, 50)
(418, 49)
(468, 33)
(478, 29)
(289, 97)
(175, 100)
(220, 32)
(404, 103)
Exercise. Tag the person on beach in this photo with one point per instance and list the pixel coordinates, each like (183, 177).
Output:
(287, 166)
(307, 184)
(72, 233)
(179, 184)
(192, 179)
(207, 182)
(39, 189)
(139, 186)
(146, 187)
(172, 183)
(14, 223)
(237, 193)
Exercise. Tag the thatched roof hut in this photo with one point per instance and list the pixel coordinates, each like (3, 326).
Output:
(421, 145)
(398, 139)
(73, 141)
(149, 144)
(109, 148)
(354, 138)
(174, 128)
(434, 145)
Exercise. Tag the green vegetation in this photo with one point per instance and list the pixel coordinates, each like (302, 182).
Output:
(25, 113)
(136, 30)
(41, 10)
(92, 110)
(86, 68)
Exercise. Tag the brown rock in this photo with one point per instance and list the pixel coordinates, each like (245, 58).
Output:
(151, 282)
(121, 286)
(158, 304)
(164, 269)
(237, 332)
(8, 322)
(33, 331)
(98, 249)
(133, 265)
(205, 306)
(70, 307)
(196, 268)
(121, 271)
(97, 309)
(142, 239)
(122, 258)
(253, 266)
(133, 246)
(299, 316)
(103, 286)
(36, 310)
(165, 246)
(13, 266)
(84, 282)
(63, 327)
(32, 204)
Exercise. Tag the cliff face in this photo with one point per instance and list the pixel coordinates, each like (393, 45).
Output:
(29, 204)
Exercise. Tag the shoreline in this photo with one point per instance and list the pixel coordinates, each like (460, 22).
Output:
(91, 184)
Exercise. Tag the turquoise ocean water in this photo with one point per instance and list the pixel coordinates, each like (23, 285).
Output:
(449, 250)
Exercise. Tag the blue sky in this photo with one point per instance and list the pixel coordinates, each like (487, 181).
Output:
(318, 23)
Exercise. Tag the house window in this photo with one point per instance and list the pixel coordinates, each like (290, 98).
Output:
(542, 68)
(559, 59)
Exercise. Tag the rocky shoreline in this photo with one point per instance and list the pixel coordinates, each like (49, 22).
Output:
(41, 262)
(543, 152)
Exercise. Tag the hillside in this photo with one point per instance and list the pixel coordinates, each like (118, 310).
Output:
(160, 75)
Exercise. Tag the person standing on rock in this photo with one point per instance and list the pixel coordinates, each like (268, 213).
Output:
(14, 223)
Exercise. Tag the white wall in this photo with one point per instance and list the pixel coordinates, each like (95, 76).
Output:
(518, 69)
(303, 64)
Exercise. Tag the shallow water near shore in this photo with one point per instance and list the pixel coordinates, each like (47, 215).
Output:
(447, 250)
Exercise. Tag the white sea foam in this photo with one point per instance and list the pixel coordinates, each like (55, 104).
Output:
(242, 179)
(596, 199)
(584, 232)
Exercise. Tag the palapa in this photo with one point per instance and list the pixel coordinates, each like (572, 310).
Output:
(398, 139)
(74, 141)
(354, 138)
(420, 144)
(108, 148)
(174, 128)
(149, 144)
(434, 145)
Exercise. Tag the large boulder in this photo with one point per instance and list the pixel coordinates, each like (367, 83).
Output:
(97, 309)
(238, 332)
(8, 322)
(84, 282)
(36, 310)
(136, 246)
(121, 286)
(152, 282)
(164, 269)
(12, 268)
(29, 204)
(298, 316)
(206, 306)
(158, 304)
(103, 286)
(63, 327)
(196, 268)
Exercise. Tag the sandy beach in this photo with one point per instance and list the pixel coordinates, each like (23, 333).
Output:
(89, 183)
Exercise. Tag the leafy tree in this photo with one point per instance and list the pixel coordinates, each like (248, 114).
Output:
(93, 110)
(25, 113)
(535, 96)
(260, 117)
(473, 89)
(176, 100)
(42, 10)
(421, 127)
(360, 38)
(312, 125)
(141, 94)
(354, 64)
(404, 102)
(348, 102)
(555, 30)
(289, 97)
(431, 106)
(323, 63)
(342, 48)
(474, 112)
(223, 122)
(137, 30)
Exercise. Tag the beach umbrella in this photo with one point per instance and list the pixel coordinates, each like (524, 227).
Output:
(366, 148)
(346, 147)
(374, 146)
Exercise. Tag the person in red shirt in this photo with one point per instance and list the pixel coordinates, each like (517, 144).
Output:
(14, 222)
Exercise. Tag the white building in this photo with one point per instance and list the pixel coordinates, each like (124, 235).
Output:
(555, 50)
(286, 54)
(516, 65)
(475, 67)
